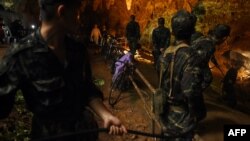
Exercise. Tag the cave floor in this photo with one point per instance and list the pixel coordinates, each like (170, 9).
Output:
(131, 110)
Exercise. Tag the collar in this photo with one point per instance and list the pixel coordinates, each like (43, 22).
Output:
(42, 44)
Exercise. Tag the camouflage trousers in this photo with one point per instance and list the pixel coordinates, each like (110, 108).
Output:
(178, 124)
(45, 128)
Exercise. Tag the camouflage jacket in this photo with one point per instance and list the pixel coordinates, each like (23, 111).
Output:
(205, 48)
(179, 116)
(51, 89)
(161, 37)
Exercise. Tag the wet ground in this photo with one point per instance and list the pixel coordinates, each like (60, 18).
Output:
(131, 110)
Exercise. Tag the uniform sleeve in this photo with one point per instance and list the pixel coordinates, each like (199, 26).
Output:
(191, 84)
(168, 38)
(154, 38)
(127, 30)
(138, 31)
(9, 81)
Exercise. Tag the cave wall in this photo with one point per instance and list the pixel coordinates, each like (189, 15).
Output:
(235, 13)
(115, 15)
(232, 12)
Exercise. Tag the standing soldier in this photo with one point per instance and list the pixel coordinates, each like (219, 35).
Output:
(133, 34)
(174, 103)
(205, 47)
(228, 83)
(53, 72)
(160, 38)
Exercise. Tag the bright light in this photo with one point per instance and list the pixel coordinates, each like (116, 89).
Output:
(125, 51)
(244, 71)
(33, 26)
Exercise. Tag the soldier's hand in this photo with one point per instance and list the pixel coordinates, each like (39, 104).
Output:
(115, 126)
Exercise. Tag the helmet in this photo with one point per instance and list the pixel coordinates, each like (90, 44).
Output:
(161, 21)
(221, 31)
(183, 24)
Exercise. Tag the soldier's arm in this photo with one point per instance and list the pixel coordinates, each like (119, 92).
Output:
(95, 102)
(191, 85)
(138, 32)
(9, 82)
(126, 30)
(167, 43)
(109, 120)
(153, 38)
(214, 61)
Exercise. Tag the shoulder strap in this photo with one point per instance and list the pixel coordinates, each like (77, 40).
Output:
(170, 50)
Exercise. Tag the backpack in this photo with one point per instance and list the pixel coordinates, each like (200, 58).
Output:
(160, 99)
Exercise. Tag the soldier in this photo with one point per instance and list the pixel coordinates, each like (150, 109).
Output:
(160, 38)
(53, 73)
(228, 83)
(133, 34)
(205, 47)
(196, 36)
(174, 105)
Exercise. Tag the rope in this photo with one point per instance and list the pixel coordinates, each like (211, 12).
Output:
(51, 138)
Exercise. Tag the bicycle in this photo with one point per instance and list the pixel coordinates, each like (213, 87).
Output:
(114, 49)
(120, 80)
(114, 52)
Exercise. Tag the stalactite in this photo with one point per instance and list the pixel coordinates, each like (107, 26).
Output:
(129, 4)
(96, 4)
(109, 3)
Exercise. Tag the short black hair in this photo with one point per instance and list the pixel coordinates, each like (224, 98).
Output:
(183, 25)
(48, 7)
(220, 31)
(161, 21)
(132, 17)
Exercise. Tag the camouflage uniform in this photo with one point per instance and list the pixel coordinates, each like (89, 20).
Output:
(205, 48)
(178, 112)
(228, 87)
(56, 93)
(133, 35)
(161, 39)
